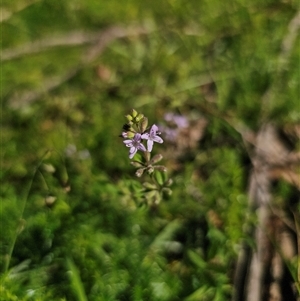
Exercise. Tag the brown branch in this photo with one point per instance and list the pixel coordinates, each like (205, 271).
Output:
(74, 38)
(277, 274)
(289, 40)
(19, 100)
(268, 152)
(259, 199)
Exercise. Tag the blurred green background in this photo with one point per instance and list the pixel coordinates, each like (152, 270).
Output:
(70, 70)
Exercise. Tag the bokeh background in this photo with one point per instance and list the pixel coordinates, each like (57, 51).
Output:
(74, 225)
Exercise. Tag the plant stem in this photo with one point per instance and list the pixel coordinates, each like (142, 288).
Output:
(21, 222)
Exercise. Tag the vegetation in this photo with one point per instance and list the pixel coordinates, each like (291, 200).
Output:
(74, 221)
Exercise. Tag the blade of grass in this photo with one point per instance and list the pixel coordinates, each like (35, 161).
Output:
(21, 220)
(76, 282)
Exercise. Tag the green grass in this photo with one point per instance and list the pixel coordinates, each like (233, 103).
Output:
(70, 227)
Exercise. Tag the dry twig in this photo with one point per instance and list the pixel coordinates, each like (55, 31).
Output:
(269, 154)
(74, 38)
(107, 36)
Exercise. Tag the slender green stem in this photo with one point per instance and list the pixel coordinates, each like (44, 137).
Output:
(21, 222)
(147, 156)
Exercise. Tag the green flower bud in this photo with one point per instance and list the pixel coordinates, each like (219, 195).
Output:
(136, 164)
(149, 186)
(129, 117)
(130, 135)
(139, 117)
(166, 191)
(134, 113)
(153, 196)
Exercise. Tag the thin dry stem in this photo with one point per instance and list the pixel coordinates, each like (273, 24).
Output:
(20, 100)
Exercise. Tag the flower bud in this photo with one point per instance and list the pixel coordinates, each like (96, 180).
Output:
(169, 182)
(130, 135)
(160, 168)
(134, 113)
(147, 156)
(143, 124)
(152, 195)
(136, 164)
(156, 159)
(150, 170)
(149, 186)
(139, 117)
(139, 172)
(166, 191)
(129, 117)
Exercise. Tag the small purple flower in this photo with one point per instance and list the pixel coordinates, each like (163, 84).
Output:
(124, 134)
(135, 144)
(179, 120)
(170, 134)
(152, 137)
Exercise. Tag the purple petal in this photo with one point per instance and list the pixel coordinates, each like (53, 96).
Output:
(132, 149)
(145, 136)
(168, 116)
(181, 121)
(132, 153)
(158, 139)
(154, 128)
(142, 147)
(137, 137)
(149, 145)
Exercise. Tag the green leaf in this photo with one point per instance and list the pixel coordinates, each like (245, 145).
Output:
(166, 234)
(197, 260)
(76, 282)
(205, 293)
(159, 177)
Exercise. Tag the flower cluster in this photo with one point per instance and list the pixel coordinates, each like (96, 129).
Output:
(175, 123)
(139, 137)
(135, 132)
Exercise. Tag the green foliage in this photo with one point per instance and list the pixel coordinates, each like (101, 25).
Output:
(73, 226)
